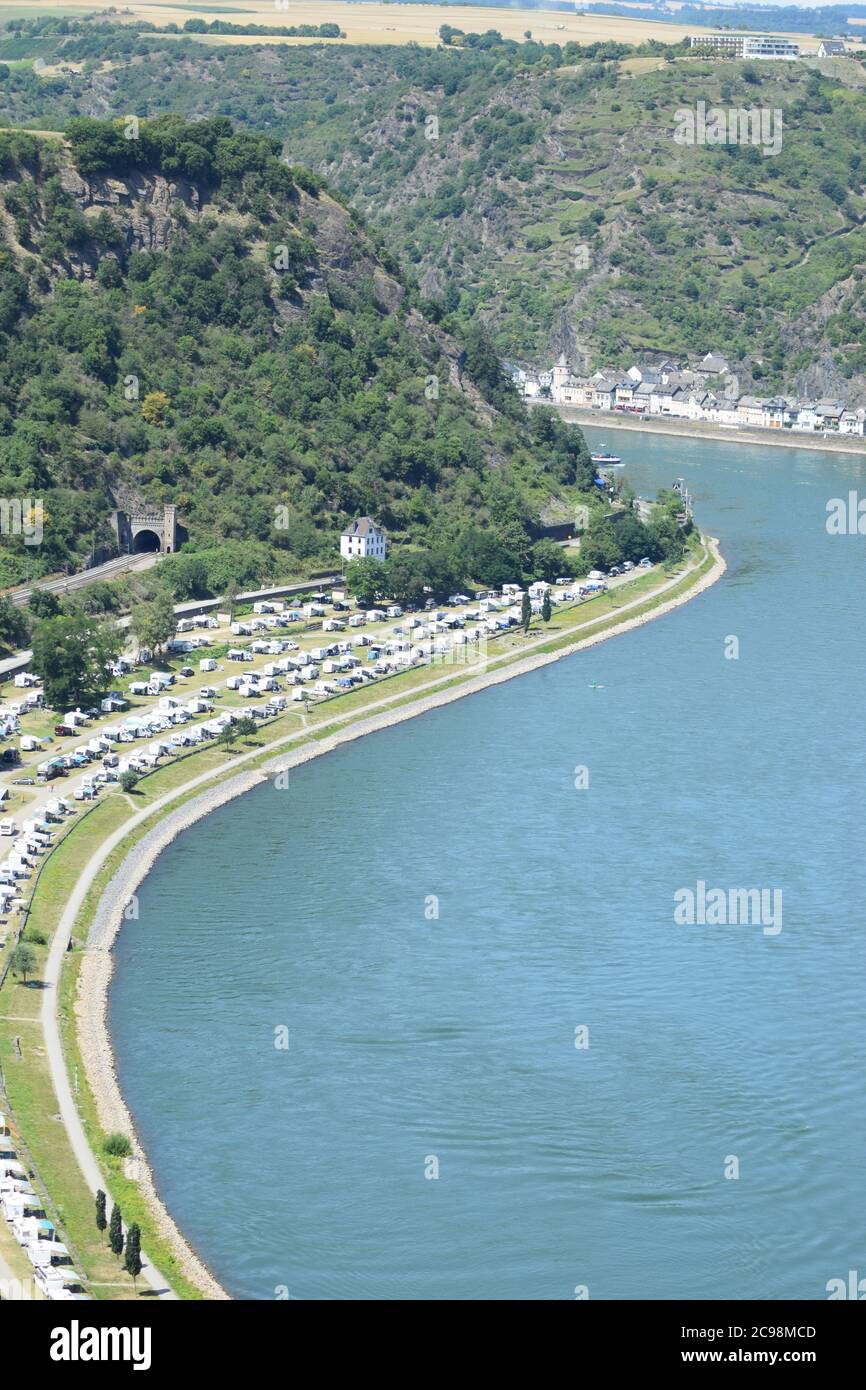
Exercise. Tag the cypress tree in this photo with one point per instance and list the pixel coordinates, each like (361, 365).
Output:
(115, 1231)
(101, 1221)
(526, 612)
(545, 607)
(132, 1261)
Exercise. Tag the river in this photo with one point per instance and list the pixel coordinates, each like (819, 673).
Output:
(434, 953)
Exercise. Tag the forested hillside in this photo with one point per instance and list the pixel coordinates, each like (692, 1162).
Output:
(539, 151)
(184, 318)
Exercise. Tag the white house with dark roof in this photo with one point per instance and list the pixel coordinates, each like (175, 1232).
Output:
(831, 48)
(775, 412)
(660, 400)
(362, 539)
(852, 421)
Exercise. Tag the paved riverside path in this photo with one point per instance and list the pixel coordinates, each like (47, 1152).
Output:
(60, 1077)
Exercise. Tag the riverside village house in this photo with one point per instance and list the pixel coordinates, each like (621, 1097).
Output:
(705, 389)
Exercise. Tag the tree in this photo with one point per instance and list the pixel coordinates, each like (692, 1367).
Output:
(128, 780)
(526, 612)
(546, 560)
(154, 406)
(43, 604)
(487, 560)
(24, 960)
(115, 1231)
(13, 626)
(132, 1261)
(101, 1221)
(367, 579)
(545, 607)
(74, 655)
(406, 578)
(231, 598)
(228, 735)
(245, 727)
(155, 622)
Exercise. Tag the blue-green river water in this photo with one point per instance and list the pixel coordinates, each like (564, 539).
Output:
(415, 1038)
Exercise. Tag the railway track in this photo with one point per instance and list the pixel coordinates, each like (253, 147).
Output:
(68, 583)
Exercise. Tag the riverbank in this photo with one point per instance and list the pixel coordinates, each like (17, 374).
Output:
(94, 978)
(697, 429)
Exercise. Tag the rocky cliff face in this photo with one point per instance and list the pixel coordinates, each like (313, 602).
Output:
(144, 206)
(147, 209)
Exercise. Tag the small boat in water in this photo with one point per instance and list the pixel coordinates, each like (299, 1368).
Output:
(607, 460)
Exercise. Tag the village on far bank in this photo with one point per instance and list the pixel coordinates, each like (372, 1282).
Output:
(705, 390)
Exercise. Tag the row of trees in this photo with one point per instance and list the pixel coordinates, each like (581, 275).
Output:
(130, 1247)
(410, 577)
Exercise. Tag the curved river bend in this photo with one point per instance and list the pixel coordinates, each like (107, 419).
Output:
(413, 1037)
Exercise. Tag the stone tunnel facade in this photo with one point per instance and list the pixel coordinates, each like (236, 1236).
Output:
(147, 530)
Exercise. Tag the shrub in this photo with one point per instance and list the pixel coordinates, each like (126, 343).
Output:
(118, 1146)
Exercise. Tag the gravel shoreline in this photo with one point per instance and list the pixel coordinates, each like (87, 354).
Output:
(97, 961)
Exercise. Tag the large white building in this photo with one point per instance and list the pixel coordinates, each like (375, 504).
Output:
(775, 50)
(364, 538)
(747, 46)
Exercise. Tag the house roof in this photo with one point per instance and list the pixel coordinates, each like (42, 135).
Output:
(680, 379)
(364, 526)
(714, 364)
(833, 46)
